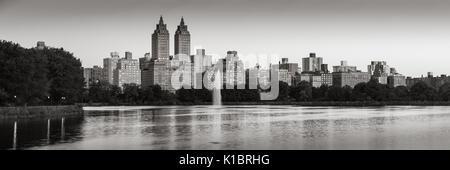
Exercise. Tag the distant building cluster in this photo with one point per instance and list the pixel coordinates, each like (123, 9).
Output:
(433, 81)
(159, 68)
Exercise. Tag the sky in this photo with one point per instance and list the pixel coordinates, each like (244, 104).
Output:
(411, 35)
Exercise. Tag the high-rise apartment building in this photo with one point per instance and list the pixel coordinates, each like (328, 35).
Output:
(160, 41)
(109, 65)
(127, 71)
(182, 39)
(201, 63)
(144, 61)
(291, 67)
(233, 70)
(157, 71)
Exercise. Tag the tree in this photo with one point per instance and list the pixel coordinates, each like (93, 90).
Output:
(401, 93)
(65, 74)
(147, 95)
(444, 92)
(347, 93)
(23, 74)
(377, 91)
(301, 91)
(3, 97)
(185, 95)
(130, 93)
(283, 94)
(422, 92)
(360, 91)
(320, 94)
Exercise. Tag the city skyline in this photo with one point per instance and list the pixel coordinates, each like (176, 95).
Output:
(365, 31)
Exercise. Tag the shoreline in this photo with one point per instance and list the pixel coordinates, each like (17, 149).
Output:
(295, 103)
(28, 112)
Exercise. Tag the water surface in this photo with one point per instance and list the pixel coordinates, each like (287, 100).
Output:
(235, 127)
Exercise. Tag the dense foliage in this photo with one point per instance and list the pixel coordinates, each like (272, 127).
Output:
(32, 76)
(303, 92)
(132, 94)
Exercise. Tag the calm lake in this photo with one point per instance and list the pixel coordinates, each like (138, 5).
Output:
(235, 127)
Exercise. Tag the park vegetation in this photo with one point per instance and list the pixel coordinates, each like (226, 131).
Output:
(38, 76)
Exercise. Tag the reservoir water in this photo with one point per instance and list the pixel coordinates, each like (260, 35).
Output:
(235, 127)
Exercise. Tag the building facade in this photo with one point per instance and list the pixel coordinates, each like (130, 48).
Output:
(201, 63)
(157, 72)
(312, 63)
(433, 81)
(233, 70)
(109, 66)
(127, 71)
(292, 68)
(396, 80)
(182, 39)
(315, 79)
(351, 79)
(344, 68)
(285, 76)
(92, 75)
(160, 41)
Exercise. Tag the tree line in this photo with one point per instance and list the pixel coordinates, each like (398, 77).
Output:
(370, 91)
(301, 92)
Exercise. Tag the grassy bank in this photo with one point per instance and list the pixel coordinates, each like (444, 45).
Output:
(39, 111)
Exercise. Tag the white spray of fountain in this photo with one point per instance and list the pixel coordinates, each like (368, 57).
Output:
(217, 97)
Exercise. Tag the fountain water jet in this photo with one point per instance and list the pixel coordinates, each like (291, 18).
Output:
(217, 97)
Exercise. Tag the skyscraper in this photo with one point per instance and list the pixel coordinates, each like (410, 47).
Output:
(160, 41)
(182, 39)
(157, 71)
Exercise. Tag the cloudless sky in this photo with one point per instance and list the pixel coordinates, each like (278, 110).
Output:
(411, 35)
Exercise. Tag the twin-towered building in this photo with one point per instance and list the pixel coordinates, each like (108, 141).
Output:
(158, 70)
(152, 69)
